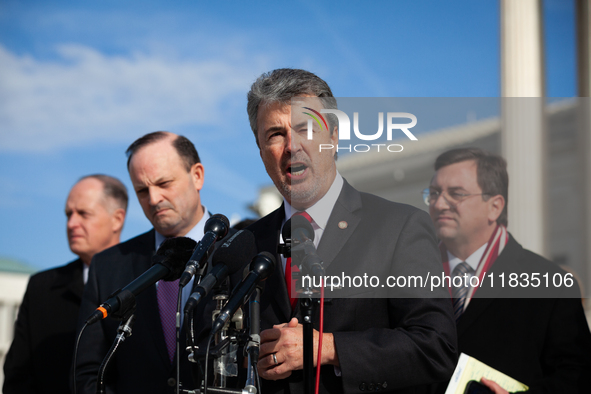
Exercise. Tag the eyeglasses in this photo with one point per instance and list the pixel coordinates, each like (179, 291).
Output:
(453, 197)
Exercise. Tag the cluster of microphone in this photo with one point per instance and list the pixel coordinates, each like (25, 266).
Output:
(176, 254)
(183, 259)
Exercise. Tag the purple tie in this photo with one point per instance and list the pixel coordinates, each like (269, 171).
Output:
(167, 299)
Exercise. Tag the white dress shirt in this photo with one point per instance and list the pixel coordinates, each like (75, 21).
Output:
(319, 212)
(473, 260)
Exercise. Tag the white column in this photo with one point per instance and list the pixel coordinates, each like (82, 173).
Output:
(523, 136)
(583, 16)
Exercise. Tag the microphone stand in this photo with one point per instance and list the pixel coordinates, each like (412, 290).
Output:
(254, 341)
(224, 362)
(124, 331)
(308, 308)
(308, 305)
(190, 332)
(223, 351)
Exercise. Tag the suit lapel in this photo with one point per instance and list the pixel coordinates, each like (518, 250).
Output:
(476, 307)
(71, 282)
(76, 286)
(149, 307)
(341, 224)
(485, 296)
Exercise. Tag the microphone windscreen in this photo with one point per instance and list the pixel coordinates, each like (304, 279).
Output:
(236, 252)
(218, 224)
(301, 229)
(263, 264)
(174, 253)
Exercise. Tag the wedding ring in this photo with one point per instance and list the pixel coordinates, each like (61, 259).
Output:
(275, 359)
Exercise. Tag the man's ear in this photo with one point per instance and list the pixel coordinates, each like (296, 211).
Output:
(197, 174)
(335, 136)
(496, 204)
(334, 139)
(117, 220)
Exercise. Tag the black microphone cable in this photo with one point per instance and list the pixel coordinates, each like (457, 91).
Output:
(124, 331)
(210, 339)
(76, 354)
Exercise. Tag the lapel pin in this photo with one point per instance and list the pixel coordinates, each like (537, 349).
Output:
(343, 225)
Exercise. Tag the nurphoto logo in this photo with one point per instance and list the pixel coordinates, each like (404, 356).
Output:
(344, 126)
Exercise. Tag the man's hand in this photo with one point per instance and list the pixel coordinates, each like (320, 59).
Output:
(284, 343)
(493, 386)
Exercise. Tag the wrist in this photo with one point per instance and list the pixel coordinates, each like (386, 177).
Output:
(329, 355)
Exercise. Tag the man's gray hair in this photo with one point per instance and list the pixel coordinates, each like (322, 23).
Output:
(113, 189)
(283, 84)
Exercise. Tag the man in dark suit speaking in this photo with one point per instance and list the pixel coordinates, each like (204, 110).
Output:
(528, 330)
(369, 344)
(40, 356)
(167, 177)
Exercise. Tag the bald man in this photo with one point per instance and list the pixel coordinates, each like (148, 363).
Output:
(40, 357)
(167, 176)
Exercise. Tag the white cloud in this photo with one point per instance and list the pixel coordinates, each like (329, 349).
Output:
(86, 96)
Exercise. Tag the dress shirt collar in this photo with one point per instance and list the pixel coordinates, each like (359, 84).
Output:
(196, 233)
(473, 260)
(85, 269)
(320, 212)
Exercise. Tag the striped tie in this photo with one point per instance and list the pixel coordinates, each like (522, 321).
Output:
(459, 293)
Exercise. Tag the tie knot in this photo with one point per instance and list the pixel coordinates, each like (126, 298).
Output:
(462, 269)
(305, 215)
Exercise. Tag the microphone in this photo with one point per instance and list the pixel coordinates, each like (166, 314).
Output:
(302, 236)
(168, 263)
(286, 230)
(254, 339)
(230, 257)
(216, 228)
(255, 313)
(261, 268)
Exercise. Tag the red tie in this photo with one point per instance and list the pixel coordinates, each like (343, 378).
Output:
(291, 269)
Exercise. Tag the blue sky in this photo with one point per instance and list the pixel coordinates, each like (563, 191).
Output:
(79, 81)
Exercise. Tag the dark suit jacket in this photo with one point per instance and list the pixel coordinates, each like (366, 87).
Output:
(383, 344)
(542, 342)
(141, 365)
(40, 356)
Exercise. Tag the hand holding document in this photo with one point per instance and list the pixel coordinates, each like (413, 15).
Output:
(469, 368)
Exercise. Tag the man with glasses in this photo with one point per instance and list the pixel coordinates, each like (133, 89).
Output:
(541, 342)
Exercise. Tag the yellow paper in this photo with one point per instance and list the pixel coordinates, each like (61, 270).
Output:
(469, 368)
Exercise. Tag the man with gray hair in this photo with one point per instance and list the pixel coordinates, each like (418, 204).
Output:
(368, 344)
(40, 356)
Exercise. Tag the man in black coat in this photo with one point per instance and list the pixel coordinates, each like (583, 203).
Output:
(40, 356)
(167, 176)
(369, 344)
(532, 328)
